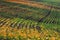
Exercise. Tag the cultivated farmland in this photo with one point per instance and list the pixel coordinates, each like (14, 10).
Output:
(29, 20)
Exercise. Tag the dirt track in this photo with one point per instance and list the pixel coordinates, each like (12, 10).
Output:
(33, 4)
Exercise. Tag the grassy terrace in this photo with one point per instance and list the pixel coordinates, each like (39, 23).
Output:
(27, 12)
